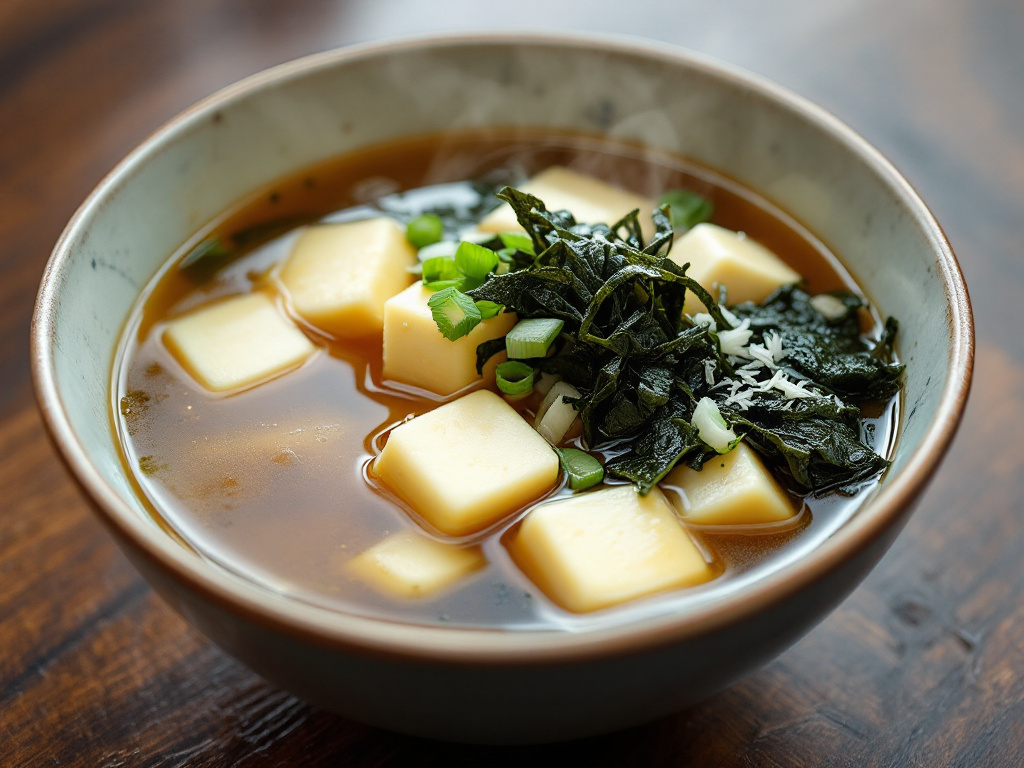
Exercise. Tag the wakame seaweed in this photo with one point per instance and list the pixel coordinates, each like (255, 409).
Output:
(792, 390)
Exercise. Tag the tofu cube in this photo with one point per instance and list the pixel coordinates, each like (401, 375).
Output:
(338, 276)
(732, 489)
(236, 342)
(467, 464)
(599, 549)
(409, 564)
(590, 200)
(416, 353)
(719, 256)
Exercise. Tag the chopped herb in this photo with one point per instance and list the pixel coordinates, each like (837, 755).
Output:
(424, 230)
(454, 312)
(475, 261)
(711, 427)
(440, 272)
(488, 309)
(514, 378)
(532, 338)
(582, 470)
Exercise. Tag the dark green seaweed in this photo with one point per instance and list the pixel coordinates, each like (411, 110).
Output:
(641, 365)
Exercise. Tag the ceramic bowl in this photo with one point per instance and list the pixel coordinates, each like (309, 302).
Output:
(476, 685)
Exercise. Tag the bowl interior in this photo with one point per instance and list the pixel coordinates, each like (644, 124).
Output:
(292, 117)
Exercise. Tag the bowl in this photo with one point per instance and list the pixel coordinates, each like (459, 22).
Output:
(473, 685)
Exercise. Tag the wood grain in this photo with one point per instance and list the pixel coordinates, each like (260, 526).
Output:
(922, 666)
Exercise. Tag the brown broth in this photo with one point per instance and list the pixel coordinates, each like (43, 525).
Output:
(273, 483)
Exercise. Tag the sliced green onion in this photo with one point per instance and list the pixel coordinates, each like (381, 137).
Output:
(475, 261)
(514, 378)
(454, 313)
(711, 427)
(439, 268)
(583, 470)
(687, 209)
(555, 416)
(546, 381)
(488, 309)
(517, 241)
(532, 337)
(424, 230)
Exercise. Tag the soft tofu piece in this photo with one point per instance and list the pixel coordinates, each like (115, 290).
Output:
(417, 353)
(590, 200)
(338, 276)
(467, 464)
(719, 256)
(236, 342)
(732, 489)
(409, 564)
(595, 550)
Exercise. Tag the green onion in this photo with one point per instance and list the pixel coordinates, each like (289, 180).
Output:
(440, 272)
(475, 261)
(532, 337)
(514, 378)
(424, 230)
(555, 416)
(488, 309)
(517, 241)
(688, 209)
(439, 268)
(582, 469)
(454, 313)
(711, 427)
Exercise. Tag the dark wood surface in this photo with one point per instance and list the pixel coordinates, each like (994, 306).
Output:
(922, 666)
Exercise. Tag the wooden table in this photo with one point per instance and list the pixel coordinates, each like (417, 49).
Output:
(922, 666)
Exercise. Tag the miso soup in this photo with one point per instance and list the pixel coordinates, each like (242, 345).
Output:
(275, 480)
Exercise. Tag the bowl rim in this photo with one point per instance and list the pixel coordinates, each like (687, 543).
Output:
(335, 630)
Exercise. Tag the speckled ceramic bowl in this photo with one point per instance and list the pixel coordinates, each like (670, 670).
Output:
(476, 685)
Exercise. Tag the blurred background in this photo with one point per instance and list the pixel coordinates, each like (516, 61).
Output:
(934, 674)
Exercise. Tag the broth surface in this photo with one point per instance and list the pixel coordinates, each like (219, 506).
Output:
(272, 483)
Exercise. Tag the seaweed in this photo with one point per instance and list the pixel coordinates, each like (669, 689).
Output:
(641, 364)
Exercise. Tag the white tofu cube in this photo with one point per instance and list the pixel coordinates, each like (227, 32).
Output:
(599, 549)
(409, 564)
(467, 464)
(236, 342)
(590, 200)
(417, 353)
(338, 276)
(732, 489)
(719, 256)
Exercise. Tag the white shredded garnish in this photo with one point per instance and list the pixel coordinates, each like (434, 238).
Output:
(762, 355)
(773, 343)
(709, 372)
(735, 342)
(794, 390)
(770, 384)
(730, 317)
(703, 318)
